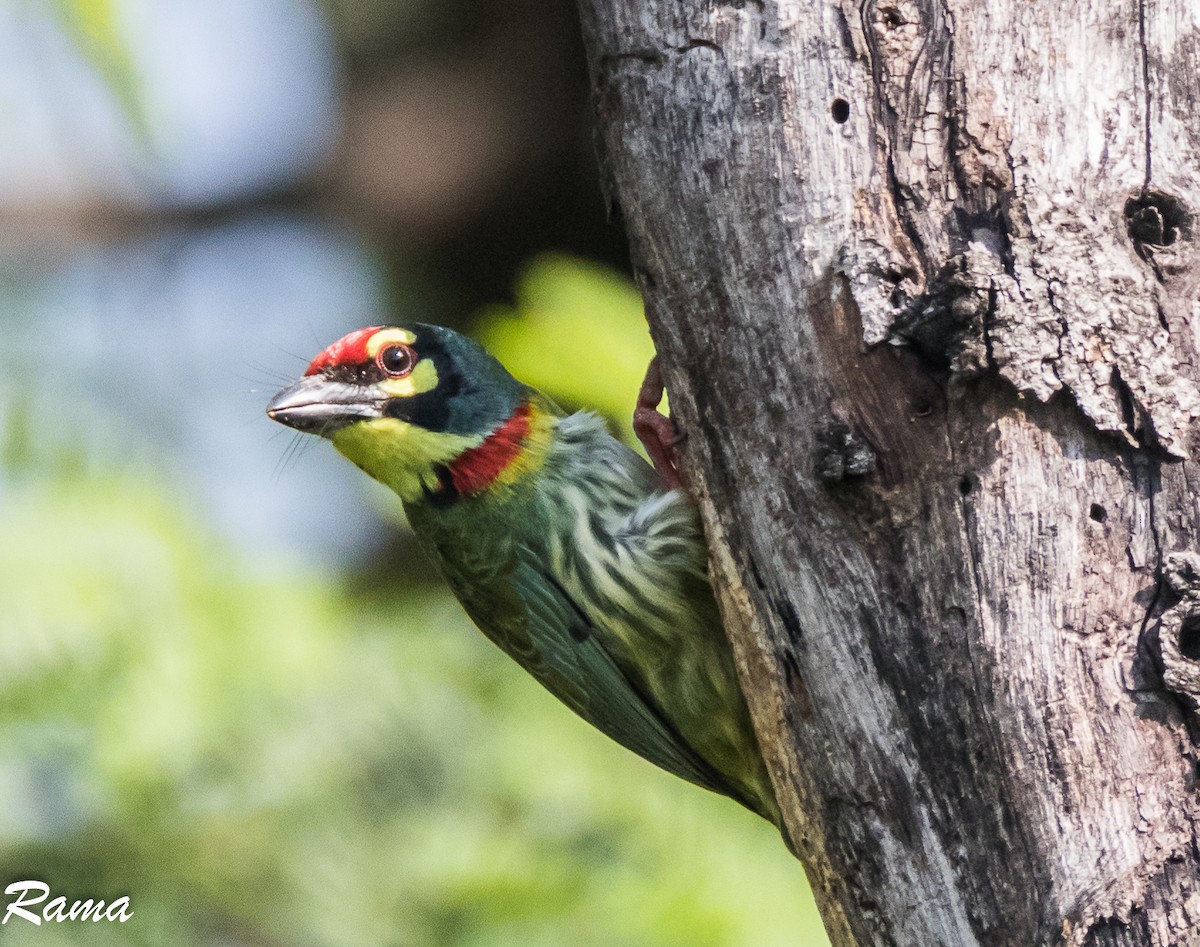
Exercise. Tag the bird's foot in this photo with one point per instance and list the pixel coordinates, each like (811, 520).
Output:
(655, 430)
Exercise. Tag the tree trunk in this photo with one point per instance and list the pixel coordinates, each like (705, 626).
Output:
(923, 279)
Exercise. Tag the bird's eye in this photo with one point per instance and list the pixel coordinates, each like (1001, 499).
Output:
(396, 360)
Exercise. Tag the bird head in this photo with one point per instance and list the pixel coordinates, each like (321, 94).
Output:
(405, 403)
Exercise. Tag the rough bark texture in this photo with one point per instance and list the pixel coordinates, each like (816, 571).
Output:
(923, 278)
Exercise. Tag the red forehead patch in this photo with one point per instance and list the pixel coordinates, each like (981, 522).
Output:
(348, 350)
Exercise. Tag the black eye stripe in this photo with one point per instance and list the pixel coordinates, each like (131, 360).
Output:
(367, 373)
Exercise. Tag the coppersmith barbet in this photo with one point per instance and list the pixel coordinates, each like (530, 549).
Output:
(560, 542)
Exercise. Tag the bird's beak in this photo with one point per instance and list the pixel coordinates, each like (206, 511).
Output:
(319, 405)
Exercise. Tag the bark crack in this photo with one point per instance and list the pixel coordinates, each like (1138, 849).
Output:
(1151, 466)
(989, 319)
(1064, 329)
(889, 119)
(657, 56)
(1145, 52)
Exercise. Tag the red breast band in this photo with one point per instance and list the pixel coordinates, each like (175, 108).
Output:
(476, 469)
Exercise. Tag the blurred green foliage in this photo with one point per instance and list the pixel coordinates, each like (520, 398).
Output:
(296, 760)
(576, 331)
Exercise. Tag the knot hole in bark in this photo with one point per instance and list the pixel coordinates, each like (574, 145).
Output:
(1189, 638)
(892, 16)
(1155, 220)
(1179, 628)
(842, 455)
(840, 110)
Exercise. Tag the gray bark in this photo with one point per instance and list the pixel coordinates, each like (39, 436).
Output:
(923, 280)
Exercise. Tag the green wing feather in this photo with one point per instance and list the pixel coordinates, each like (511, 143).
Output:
(531, 617)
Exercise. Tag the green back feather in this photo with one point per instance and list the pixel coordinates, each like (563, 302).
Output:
(593, 581)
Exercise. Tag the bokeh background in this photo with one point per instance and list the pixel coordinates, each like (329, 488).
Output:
(230, 686)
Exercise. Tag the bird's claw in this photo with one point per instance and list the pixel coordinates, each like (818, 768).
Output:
(655, 430)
